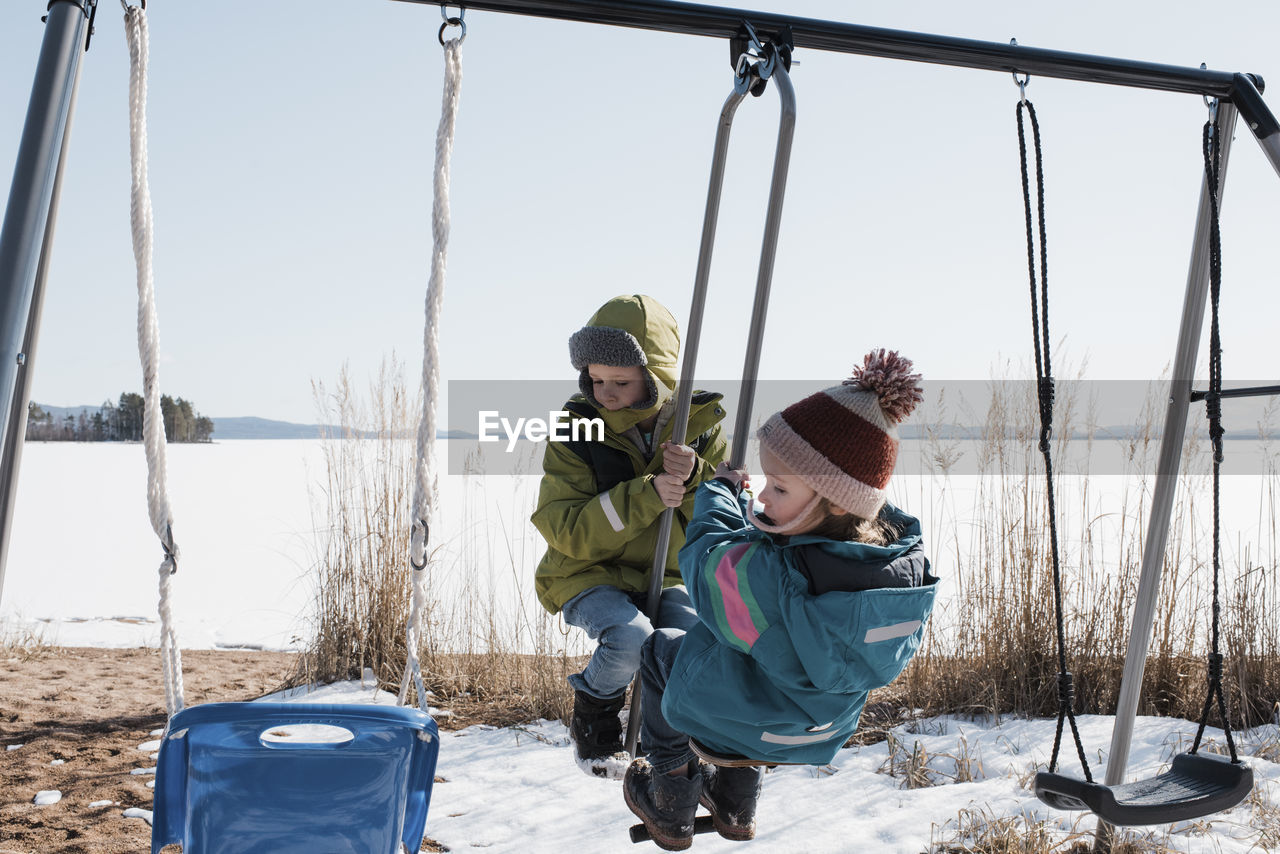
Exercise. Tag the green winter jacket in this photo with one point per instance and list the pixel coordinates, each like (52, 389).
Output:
(597, 508)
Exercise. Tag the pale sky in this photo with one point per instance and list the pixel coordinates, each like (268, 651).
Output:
(292, 145)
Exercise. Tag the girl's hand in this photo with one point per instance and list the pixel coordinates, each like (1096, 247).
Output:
(678, 460)
(670, 489)
(738, 477)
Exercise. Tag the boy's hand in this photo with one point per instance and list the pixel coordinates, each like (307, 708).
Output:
(678, 460)
(670, 489)
(738, 477)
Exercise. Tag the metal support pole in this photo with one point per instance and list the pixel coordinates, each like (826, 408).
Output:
(684, 391)
(1271, 148)
(1175, 425)
(693, 332)
(764, 277)
(26, 236)
(773, 221)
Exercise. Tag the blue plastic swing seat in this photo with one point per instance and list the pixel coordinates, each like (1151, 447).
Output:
(294, 778)
(1198, 784)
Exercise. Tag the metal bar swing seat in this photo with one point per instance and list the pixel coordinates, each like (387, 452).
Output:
(1196, 784)
(752, 73)
(771, 60)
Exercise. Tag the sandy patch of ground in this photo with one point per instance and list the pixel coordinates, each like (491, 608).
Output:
(79, 716)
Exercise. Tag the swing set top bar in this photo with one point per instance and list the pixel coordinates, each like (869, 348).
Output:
(719, 22)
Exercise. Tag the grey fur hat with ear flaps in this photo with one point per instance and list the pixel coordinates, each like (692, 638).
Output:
(607, 345)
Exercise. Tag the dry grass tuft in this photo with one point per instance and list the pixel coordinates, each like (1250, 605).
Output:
(26, 643)
(363, 583)
(470, 653)
(977, 831)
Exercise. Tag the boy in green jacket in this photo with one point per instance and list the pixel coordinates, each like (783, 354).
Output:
(600, 502)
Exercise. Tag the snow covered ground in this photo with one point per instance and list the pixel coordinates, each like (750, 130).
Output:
(517, 789)
(854, 804)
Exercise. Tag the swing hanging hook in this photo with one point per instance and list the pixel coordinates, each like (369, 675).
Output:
(758, 60)
(1212, 105)
(127, 7)
(426, 539)
(450, 21)
(170, 549)
(1024, 82)
(754, 52)
(751, 34)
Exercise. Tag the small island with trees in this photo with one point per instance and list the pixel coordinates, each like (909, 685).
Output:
(118, 422)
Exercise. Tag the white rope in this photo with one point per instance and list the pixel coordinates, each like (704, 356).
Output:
(153, 437)
(424, 492)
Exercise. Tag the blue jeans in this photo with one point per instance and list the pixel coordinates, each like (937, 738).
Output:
(614, 618)
(666, 748)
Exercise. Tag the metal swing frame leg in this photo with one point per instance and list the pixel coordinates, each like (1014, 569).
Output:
(1175, 425)
(26, 238)
(693, 332)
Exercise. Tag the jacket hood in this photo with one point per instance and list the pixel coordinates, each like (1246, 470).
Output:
(630, 330)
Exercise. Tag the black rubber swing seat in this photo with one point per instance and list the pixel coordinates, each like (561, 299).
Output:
(1197, 785)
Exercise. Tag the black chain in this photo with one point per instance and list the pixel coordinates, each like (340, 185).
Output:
(1213, 409)
(1044, 393)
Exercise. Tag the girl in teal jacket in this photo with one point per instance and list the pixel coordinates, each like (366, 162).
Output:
(802, 610)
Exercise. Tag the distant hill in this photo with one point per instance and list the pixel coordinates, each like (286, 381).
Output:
(252, 427)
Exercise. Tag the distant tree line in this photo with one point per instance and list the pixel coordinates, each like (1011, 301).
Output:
(118, 422)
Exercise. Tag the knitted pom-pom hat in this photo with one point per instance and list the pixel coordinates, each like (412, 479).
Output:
(843, 441)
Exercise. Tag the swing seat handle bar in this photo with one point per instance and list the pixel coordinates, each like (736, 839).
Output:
(772, 67)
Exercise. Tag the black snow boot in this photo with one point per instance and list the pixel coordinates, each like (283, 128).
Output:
(731, 794)
(667, 805)
(597, 735)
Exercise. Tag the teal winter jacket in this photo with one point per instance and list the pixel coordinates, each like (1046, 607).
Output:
(776, 669)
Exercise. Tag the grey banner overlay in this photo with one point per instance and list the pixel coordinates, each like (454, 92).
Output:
(963, 427)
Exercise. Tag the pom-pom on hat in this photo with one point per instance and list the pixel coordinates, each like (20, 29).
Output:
(843, 441)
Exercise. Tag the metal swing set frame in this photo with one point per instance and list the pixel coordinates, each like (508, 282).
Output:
(760, 46)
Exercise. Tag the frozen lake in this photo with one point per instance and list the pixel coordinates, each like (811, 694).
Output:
(247, 515)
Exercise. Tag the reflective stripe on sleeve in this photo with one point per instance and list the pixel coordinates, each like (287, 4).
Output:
(774, 738)
(897, 630)
(610, 513)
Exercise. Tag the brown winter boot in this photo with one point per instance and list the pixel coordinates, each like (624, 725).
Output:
(667, 805)
(731, 794)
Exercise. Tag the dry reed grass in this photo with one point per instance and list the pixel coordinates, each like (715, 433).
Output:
(999, 577)
(471, 646)
(977, 831)
(1002, 577)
